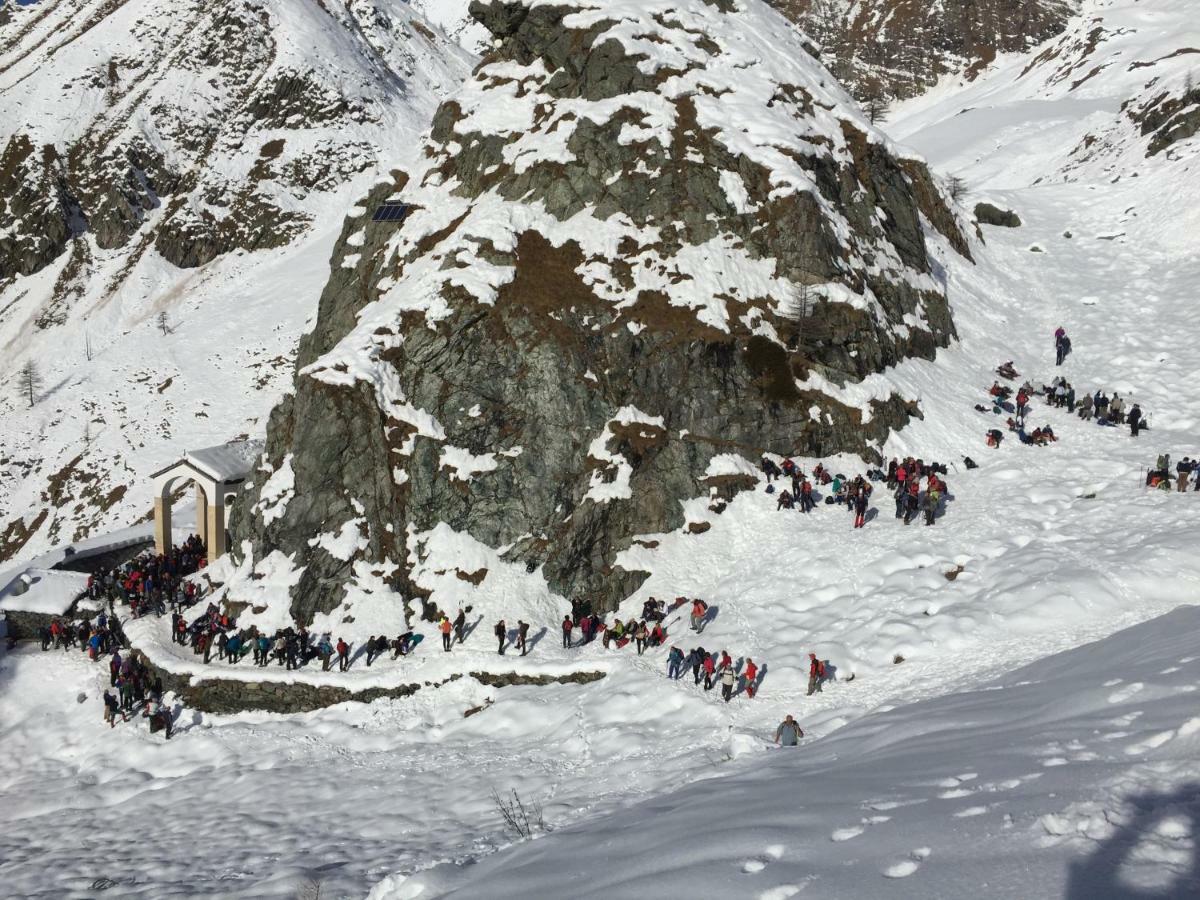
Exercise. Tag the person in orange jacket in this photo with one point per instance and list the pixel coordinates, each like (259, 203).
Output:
(751, 676)
(445, 627)
(816, 674)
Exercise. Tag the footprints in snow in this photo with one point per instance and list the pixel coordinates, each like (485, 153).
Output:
(906, 867)
(752, 866)
(853, 831)
(756, 864)
(1125, 693)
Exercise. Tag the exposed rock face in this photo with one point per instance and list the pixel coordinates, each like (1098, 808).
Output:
(645, 234)
(900, 48)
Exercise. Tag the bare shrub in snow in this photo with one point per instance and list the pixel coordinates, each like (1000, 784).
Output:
(310, 889)
(520, 820)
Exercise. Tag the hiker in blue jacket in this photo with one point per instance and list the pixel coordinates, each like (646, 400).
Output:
(674, 663)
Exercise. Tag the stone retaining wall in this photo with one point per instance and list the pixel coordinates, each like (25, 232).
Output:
(24, 626)
(225, 695)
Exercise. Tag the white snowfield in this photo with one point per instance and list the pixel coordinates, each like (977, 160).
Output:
(1074, 777)
(1006, 756)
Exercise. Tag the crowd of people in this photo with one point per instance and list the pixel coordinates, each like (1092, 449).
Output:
(151, 582)
(1061, 394)
(903, 477)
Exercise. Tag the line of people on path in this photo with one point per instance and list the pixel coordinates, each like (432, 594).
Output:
(95, 637)
(714, 668)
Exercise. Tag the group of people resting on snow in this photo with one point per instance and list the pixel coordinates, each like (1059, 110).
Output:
(1059, 393)
(854, 494)
(1185, 473)
(1002, 401)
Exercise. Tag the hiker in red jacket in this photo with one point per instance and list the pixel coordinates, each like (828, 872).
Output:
(710, 669)
(343, 652)
(806, 500)
(816, 674)
(658, 637)
(726, 662)
(567, 626)
(751, 675)
(699, 611)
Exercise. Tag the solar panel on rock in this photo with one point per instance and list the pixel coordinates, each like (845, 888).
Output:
(390, 212)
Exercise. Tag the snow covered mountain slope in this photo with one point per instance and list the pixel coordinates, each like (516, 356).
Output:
(1076, 777)
(644, 235)
(184, 160)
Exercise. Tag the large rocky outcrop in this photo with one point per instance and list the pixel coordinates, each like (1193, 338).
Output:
(644, 235)
(900, 48)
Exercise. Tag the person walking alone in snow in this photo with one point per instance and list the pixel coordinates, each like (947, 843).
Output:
(861, 501)
(522, 632)
(789, 732)
(501, 632)
(816, 674)
(699, 611)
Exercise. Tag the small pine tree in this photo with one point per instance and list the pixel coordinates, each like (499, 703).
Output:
(29, 382)
(163, 324)
(876, 109)
(957, 188)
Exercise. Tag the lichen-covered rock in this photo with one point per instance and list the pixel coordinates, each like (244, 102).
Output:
(644, 234)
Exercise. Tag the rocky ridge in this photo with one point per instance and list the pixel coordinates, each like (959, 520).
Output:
(646, 241)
